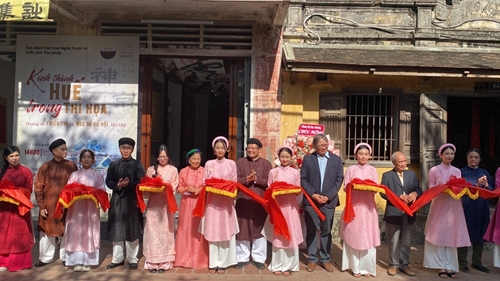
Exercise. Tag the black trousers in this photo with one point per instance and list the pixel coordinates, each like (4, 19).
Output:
(477, 253)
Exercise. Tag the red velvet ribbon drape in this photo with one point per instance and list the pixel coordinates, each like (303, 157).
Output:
(275, 215)
(228, 188)
(156, 185)
(370, 186)
(77, 191)
(11, 194)
(456, 188)
(224, 188)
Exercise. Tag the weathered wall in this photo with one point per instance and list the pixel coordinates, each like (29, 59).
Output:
(265, 95)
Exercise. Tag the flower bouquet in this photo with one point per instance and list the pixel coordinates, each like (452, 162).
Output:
(302, 145)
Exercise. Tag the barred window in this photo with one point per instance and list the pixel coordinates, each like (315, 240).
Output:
(370, 118)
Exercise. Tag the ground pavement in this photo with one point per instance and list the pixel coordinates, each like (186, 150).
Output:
(56, 271)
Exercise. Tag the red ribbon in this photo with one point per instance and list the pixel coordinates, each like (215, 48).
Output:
(225, 187)
(15, 195)
(357, 184)
(276, 217)
(156, 183)
(77, 191)
(456, 188)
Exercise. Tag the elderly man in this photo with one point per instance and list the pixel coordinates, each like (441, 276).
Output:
(321, 176)
(125, 220)
(50, 180)
(252, 173)
(398, 225)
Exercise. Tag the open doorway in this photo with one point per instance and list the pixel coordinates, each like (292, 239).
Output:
(189, 101)
(475, 122)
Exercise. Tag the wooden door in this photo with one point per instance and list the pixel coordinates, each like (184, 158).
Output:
(433, 125)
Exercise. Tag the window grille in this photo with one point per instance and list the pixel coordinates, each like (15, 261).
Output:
(370, 118)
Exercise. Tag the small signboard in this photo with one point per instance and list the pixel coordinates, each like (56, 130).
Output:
(24, 10)
(310, 129)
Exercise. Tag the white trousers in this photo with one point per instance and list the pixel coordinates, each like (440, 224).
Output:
(222, 254)
(258, 250)
(359, 261)
(440, 257)
(47, 248)
(284, 260)
(82, 258)
(131, 249)
(496, 256)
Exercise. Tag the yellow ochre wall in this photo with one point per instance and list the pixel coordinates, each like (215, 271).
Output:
(300, 100)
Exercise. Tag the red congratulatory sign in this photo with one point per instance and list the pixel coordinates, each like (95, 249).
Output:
(310, 129)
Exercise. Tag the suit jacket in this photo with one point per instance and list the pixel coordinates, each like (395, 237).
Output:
(391, 180)
(310, 178)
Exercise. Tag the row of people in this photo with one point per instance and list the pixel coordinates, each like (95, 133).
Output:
(229, 234)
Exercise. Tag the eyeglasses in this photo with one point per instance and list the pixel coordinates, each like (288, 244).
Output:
(322, 145)
(162, 158)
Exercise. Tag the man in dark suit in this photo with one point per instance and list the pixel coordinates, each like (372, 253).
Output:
(398, 225)
(321, 176)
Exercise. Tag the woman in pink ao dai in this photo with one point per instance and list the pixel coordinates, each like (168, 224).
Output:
(82, 232)
(220, 225)
(285, 253)
(159, 244)
(362, 234)
(446, 229)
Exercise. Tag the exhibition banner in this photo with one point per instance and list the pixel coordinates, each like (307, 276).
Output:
(83, 89)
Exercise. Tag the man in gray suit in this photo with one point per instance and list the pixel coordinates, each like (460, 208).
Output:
(398, 225)
(321, 176)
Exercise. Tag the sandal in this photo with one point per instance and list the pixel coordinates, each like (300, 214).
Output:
(287, 273)
(452, 275)
(212, 270)
(443, 274)
(221, 271)
(277, 273)
(367, 275)
(357, 275)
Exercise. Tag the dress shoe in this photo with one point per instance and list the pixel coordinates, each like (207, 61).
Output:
(393, 270)
(132, 266)
(480, 267)
(311, 266)
(153, 270)
(406, 270)
(113, 265)
(64, 263)
(328, 266)
(77, 268)
(259, 265)
(161, 270)
(241, 264)
(40, 263)
(464, 268)
(86, 268)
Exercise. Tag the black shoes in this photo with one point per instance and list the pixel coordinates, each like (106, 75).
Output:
(113, 265)
(240, 265)
(259, 265)
(40, 264)
(153, 270)
(132, 266)
(464, 268)
(480, 267)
